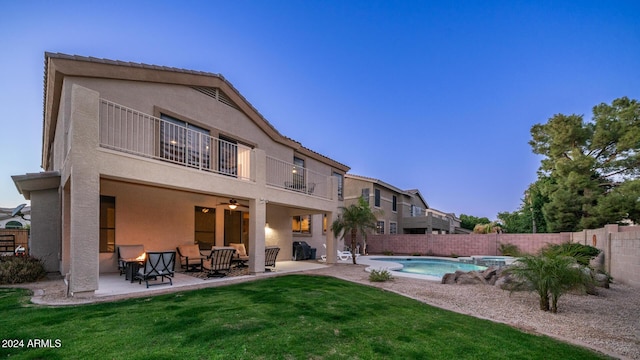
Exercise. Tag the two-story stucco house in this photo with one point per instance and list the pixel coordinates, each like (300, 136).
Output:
(398, 211)
(141, 154)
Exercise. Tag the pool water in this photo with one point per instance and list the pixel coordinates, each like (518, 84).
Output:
(431, 267)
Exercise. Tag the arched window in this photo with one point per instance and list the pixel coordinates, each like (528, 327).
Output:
(13, 225)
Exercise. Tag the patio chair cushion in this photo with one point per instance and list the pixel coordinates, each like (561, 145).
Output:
(190, 257)
(241, 251)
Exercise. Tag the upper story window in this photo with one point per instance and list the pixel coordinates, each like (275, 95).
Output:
(394, 203)
(380, 227)
(376, 193)
(340, 185)
(228, 156)
(415, 210)
(184, 143)
(298, 173)
(365, 195)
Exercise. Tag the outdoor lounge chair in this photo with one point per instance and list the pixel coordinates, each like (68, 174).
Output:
(157, 264)
(270, 255)
(345, 255)
(190, 257)
(241, 257)
(219, 262)
(127, 253)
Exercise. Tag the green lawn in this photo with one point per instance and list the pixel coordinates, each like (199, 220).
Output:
(287, 317)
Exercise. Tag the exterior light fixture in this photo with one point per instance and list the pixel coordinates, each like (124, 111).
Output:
(233, 204)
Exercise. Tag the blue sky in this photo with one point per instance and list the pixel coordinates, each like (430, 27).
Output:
(434, 95)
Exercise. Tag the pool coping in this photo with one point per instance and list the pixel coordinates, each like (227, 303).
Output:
(392, 267)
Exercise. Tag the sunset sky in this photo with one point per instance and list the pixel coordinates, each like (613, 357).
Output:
(436, 96)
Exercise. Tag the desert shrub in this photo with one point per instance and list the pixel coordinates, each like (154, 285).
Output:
(551, 275)
(582, 253)
(454, 255)
(387, 252)
(509, 250)
(379, 275)
(20, 269)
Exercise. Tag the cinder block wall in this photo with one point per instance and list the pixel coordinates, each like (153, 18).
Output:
(459, 245)
(625, 257)
(620, 244)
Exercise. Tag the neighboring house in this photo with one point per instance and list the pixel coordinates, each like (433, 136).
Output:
(7, 221)
(399, 211)
(142, 154)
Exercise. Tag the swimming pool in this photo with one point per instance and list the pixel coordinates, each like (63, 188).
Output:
(431, 268)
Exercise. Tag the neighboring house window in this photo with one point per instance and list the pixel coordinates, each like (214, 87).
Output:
(394, 203)
(340, 185)
(205, 227)
(107, 224)
(380, 227)
(228, 156)
(376, 193)
(365, 194)
(393, 227)
(184, 143)
(13, 225)
(301, 224)
(415, 210)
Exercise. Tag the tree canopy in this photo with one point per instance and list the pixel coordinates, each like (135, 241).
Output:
(469, 222)
(590, 172)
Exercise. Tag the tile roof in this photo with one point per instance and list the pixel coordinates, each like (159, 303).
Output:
(53, 55)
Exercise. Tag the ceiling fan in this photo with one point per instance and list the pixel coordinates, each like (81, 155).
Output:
(234, 204)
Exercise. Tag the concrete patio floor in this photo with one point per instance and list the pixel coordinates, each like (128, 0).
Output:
(113, 286)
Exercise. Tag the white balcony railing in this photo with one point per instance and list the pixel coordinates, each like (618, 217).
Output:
(291, 177)
(134, 132)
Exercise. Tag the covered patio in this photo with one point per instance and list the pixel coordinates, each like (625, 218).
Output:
(113, 286)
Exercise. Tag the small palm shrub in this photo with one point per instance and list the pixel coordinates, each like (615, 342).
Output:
(379, 275)
(551, 275)
(582, 253)
(20, 269)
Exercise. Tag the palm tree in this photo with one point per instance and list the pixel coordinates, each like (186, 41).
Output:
(531, 271)
(356, 218)
(550, 275)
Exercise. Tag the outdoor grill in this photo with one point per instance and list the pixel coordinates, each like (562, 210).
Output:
(301, 250)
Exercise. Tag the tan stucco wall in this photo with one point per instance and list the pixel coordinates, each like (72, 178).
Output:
(46, 213)
(155, 200)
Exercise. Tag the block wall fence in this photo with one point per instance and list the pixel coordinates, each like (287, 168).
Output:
(620, 244)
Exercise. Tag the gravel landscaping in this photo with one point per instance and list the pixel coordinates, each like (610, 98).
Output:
(608, 322)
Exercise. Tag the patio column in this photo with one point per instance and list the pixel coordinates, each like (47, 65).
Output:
(257, 222)
(84, 180)
(257, 214)
(332, 245)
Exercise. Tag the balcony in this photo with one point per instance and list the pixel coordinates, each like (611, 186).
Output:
(295, 178)
(127, 130)
(133, 132)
